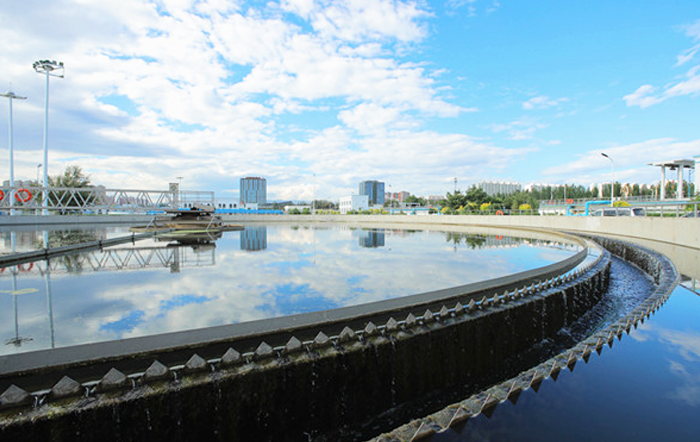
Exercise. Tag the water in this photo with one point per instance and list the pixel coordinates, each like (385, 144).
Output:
(645, 388)
(261, 272)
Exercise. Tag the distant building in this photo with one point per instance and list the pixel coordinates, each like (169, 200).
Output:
(253, 190)
(396, 196)
(434, 198)
(353, 202)
(498, 188)
(374, 191)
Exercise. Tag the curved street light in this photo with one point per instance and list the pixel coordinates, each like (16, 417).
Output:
(612, 183)
(11, 96)
(50, 69)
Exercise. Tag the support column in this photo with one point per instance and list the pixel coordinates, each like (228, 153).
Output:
(662, 191)
(174, 188)
(680, 183)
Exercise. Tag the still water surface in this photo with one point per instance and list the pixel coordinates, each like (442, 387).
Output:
(645, 388)
(261, 272)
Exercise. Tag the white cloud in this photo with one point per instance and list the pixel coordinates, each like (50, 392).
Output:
(359, 20)
(205, 89)
(642, 97)
(543, 102)
(370, 118)
(647, 95)
(523, 129)
(689, 84)
(592, 167)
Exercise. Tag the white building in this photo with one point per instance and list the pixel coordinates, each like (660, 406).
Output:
(299, 207)
(496, 188)
(353, 202)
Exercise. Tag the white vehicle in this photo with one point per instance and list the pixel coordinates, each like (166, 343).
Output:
(620, 211)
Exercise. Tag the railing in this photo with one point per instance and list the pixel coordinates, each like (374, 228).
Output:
(62, 200)
(640, 199)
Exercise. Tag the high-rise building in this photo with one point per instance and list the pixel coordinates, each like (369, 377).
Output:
(253, 190)
(498, 188)
(374, 191)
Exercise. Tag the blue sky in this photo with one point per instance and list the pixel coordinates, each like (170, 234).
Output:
(412, 93)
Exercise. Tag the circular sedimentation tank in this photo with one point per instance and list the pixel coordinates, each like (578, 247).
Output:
(329, 373)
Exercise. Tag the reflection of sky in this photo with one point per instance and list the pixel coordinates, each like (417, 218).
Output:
(646, 388)
(301, 269)
(682, 349)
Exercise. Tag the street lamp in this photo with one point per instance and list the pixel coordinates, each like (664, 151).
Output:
(50, 69)
(11, 96)
(612, 183)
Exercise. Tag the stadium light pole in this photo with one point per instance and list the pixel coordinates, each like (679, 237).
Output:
(612, 183)
(11, 96)
(50, 69)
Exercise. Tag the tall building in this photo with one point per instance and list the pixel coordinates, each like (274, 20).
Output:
(374, 191)
(496, 188)
(253, 190)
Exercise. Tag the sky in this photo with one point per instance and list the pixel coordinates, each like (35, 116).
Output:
(318, 95)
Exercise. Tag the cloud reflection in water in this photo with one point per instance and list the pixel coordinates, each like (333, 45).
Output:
(272, 271)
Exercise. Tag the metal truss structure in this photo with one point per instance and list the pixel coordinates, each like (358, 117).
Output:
(98, 199)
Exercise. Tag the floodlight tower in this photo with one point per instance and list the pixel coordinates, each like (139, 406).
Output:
(50, 69)
(11, 96)
(612, 183)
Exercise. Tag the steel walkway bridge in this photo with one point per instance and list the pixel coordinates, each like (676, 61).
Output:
(30, 200)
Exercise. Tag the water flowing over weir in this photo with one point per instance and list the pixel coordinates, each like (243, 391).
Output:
(326, 380)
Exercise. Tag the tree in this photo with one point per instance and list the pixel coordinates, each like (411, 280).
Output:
(415, 199)
(73, 177)
(478, 196)
(456, 200)
(324, 204)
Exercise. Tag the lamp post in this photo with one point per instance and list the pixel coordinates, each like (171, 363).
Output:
(50, 69)
(612, 183)
(11, 96)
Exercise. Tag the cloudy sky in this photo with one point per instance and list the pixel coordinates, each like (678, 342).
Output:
(322, 94)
